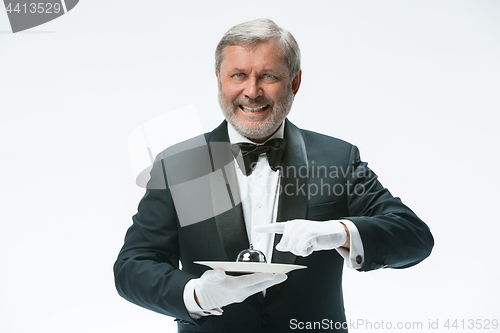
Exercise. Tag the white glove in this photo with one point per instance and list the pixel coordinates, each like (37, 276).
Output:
(302, 237)
(214, 289)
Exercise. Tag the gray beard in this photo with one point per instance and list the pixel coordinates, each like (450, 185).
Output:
(279, 111)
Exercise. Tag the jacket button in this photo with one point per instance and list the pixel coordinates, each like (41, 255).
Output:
(265, 318)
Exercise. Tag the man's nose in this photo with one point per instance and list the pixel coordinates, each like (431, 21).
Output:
(252, 88)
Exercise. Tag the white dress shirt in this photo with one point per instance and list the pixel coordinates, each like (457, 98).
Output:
(259, 195)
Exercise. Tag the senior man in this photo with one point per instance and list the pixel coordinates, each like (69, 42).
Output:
(300, 197)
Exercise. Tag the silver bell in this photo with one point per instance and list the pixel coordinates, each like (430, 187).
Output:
(251, 255)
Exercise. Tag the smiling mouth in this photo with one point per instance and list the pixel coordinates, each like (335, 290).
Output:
(257, 109)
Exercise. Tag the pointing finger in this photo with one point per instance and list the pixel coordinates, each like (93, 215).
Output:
(274, 228)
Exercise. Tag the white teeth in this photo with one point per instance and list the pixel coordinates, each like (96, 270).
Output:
(247, 109)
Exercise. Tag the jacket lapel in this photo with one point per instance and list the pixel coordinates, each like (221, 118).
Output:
(230, 223)
(292, 203)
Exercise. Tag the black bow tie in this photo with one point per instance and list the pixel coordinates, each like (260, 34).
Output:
(273, 148)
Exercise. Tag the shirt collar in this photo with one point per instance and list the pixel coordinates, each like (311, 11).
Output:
(235, 136)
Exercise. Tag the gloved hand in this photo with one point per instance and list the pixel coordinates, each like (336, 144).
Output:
(302, 237)
(214, 289)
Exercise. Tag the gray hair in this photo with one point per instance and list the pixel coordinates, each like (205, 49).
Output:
(258, 31)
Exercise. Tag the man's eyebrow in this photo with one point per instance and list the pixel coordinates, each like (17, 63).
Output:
(238, 70)
(273, 70)
(279, 73)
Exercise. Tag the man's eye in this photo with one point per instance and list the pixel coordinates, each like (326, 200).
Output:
(269, 77)
(238, 76)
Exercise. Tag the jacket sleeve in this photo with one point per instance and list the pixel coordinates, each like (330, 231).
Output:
(147, 269)
(392, 235)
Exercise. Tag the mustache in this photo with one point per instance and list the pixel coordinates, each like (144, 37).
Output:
(258, 100)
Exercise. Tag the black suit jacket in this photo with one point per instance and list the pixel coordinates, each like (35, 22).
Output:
(323, 179)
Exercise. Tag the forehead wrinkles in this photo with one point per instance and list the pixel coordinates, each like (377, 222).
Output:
(248, 54)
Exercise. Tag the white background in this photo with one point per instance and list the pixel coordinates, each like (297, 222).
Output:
(414, 84)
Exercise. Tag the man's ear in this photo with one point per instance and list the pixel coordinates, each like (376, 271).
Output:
(296, 82)
(218, 80)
